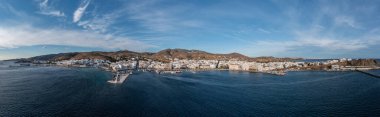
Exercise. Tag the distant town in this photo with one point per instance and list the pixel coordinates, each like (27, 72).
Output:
(178, 60)
(177, 65)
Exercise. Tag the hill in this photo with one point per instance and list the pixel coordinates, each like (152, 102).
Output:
(169, 54)
(164, 56)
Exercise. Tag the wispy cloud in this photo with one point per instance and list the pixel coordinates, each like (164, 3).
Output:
(13, 15)
(305, 39)
(45, 9)
(346, 21)
(7, 8)
(28, 36)
(269, 28)
(331, 28)
(160, 18)
(80, 10)
(101, 23)
(263, 31)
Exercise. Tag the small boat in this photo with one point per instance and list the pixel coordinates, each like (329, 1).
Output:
(158, 72)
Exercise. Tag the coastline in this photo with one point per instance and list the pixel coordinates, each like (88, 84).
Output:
(202, 70)
(109, 68)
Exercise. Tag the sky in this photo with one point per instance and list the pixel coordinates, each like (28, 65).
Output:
(279, 28)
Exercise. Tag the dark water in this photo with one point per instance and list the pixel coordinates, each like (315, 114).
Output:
(56, 91)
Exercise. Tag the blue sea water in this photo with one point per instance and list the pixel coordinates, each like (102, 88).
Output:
(60, 91)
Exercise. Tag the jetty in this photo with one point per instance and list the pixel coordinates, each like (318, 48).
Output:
(168, 71)
(367, 73)
(279, 73)
(119, 78)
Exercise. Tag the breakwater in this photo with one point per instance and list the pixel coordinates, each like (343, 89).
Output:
(367, 73)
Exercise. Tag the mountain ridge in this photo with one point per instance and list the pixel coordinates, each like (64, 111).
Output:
(164, 56)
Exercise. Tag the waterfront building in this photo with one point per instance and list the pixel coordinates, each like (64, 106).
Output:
(335, 67)
(234, 67)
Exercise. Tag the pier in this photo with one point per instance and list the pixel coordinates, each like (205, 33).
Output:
(367, 73)
(120, 77)
(279, 73)
(168, 71)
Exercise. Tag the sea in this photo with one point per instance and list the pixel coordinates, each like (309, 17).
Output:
(63, 91)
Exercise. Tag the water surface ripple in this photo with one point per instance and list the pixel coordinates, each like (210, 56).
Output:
(58, 91)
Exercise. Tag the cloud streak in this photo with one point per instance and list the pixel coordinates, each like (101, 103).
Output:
(158, 18)
(263, 31)
(306, 41)
(28, 36)
(48, 10)
(101, 23)
(80, 10)
(322, 28)
(346, 21)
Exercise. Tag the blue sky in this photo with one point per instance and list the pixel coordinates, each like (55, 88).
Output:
(291, 28)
